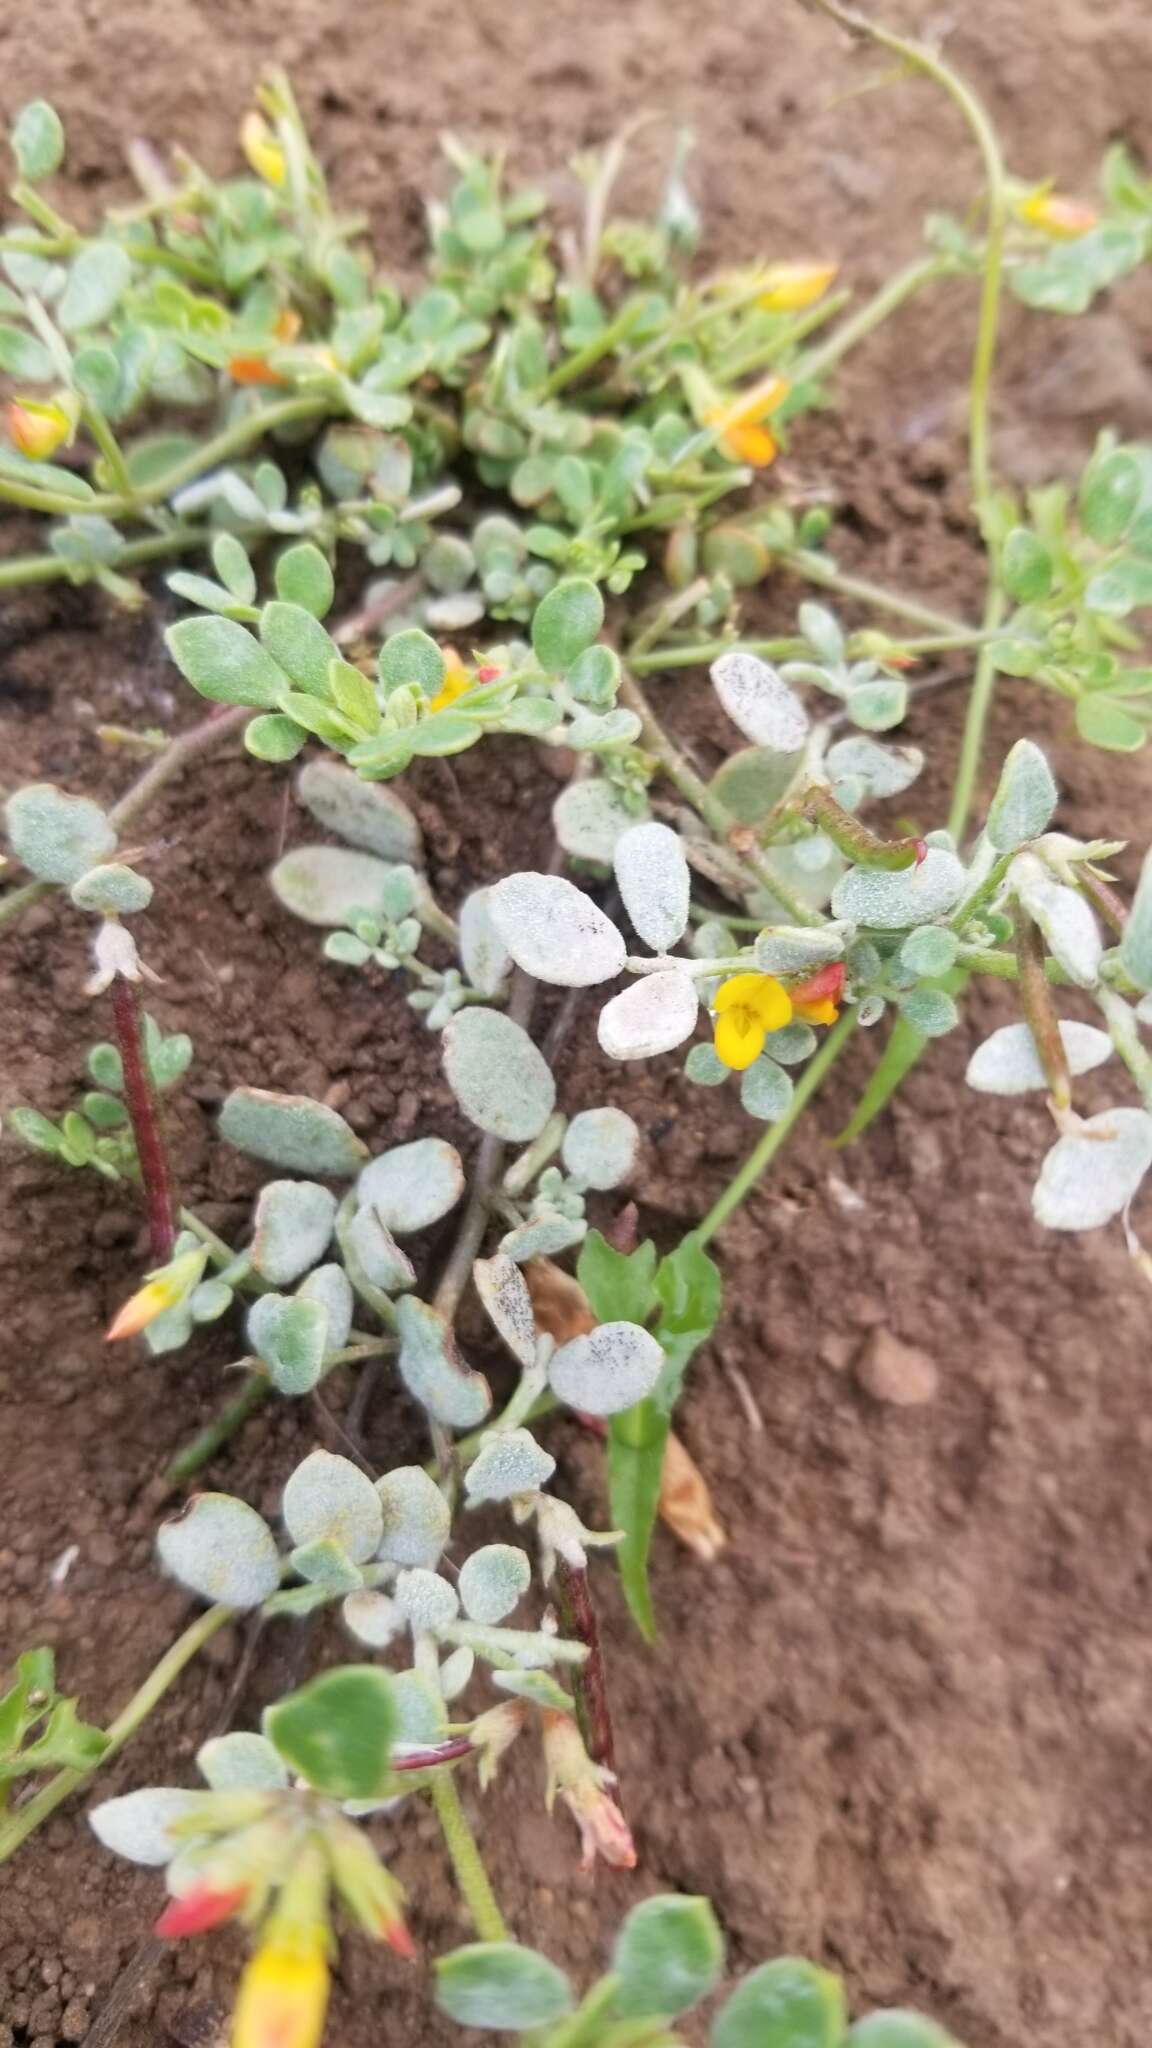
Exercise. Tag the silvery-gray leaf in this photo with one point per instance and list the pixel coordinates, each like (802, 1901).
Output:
(291, 1131)
(58, 837)
(241, 1762)
(324, 884)
(607, 1369)
(554, 931)
(1025, 798)
(483, 955)
(373, 1618)
(930, 1011)
(813, 853)
(456, 1673)
(1067, 922)
(454, 612)
(791, 1044)
(417, 1518)
(504, 1293)
(1008, 1064)
(601, 1147)
(433, 1370)
(894, 899)
(751, 780)
(1136, 943)
(364, 814)
(1091, 1174)
(112, 890)
(588, 818)
(801, 949)
(293, 1228)
(608, 729)
(412, 1186)
(655, 882)
(375, 1251)
(500, 1079)
(543, 1236)
(420, 1716)
(711, 940)
(884, 771)
(765, 1091)
(493, 1581)
(327, 1564)
(289, 1334)
(656, 1013)
(930, 949)
(222, 1549)
(508, 1463)
(330, 1498)
(137, 1824)
(758, 701)
(425, 1599)
(704, 1066)
(330, 1286)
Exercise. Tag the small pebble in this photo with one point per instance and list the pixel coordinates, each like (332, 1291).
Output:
(898, 1373)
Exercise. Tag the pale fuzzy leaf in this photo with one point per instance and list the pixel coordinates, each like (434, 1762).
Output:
(600, 1147)
(588, 819)
(373, 1249)
(1136, 943)
(1025, 798)
(291, 1131)
(765, 1091)
(293, 1228)
(609, 1369)
(222, 1549)
(241, 1762)
(329, 1499)
(331, 1286)
(554, 931)
(456, 1673)
(508, 1463)
(543, 1236)
(373, 1618)
(425, 1599)
(413, 1185)
(801, 949)
(58, 837)
(433, 1370)
(655, 1014)
(1091, 1174)
(137, 1824)
(417, 1518)
(759, 701)
(363, 814)
(483, 955)
(323, 884)
(895, 899)
(500, 1079)
(290, 1335)
(502, 1289)
(1066, 920)
(654, 880)
(1007, 1063)
(884, 771)
(493, 1581)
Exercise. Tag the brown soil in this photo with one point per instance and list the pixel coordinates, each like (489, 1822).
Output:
(902, 1726)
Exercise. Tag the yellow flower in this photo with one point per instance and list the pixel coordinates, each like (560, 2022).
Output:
(164, 1289)
(748, 1007)
(1063, 219)
(456, 681)
(789, 287)
(37, 428)
(738, 426)
(262, 149)
(283, 1995)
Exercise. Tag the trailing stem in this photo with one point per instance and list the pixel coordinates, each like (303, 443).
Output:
(140, 1097)
(467, 1862)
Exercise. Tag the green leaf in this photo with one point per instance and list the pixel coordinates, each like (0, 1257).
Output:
(897, 2028)
(1136, 943)
(690, 1290)
(411, 657)
(619, 1285)
(499, 1984)
(1025, 798)
(37, 138)
(304, 578)
(222, 1549)
(355, 698)
(291, 1131)
(565, 623)
(231, 563)
(930, 1011)
(1125, 587)
(274, 737)
(636, 1441)
(298, 642)
(1067, 278)
(1110, 493)
(1105, 723)
(22, 356)
(668, 1954)
(58, 837)
(1026, 566)
(787, 2003)
(95, 284)
(337, 1731)
(96, 374)
(225, 663)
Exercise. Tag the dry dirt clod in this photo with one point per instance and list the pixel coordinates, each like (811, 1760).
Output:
(898, 1373)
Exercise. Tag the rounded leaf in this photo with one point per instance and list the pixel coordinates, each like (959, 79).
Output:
(241, 1762)
(137, 1824)
(554, 931)
(293, 1228)
(765, 1090)
(58, 837)
(411, 657)
(787, 2003)
(324, 884)
(669, 1954)
(222, 1549)
(504, 1293)
(417, 1518)
(425, 1599)
(607, 1369)
(112, 890)
(374, 1255)
(929, 950)
(1008, 1064)
(1090, 1175)
(433, 1370)
(500, 1079)
(329, 1499)
(898, 2028)
(565, 622)
(508, 1462)
(493, 1581)
(483, 955)
(600, 1147)
(364, 814)
(331, 1287)
(543, 1236)
(1025, 798)
(498, 1984)
(801, 949)
(588, 819)
(930, 1011)
(413, 1185)
(760, 702)
(882, 771)
(1066, 920)
(37, 139)
(373, 1618)
(894, 899)
(291, 1131)
(225, 663)
(654, 880)
(289, 1334)
(303, 577)
(337, 1731)
(658, 1012)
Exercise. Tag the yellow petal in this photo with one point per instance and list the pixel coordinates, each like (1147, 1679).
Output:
(822, 1012)
(456, 681)
(772, 1003)
(35, 428)
(739, 988)
(789, 287)
(262, 149)
(283, 1999)
(739, 1038)
(756, 446)
(1063, 219)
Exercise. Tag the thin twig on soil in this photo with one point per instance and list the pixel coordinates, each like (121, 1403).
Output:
(589, 1681)
(143, 1112)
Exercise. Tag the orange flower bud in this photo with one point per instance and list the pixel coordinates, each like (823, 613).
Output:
(162, 1291)
(1063, 219)
(789, 287)
(738, 426)
(37, 428)
(283, 1996)
(815, 1000)
(253, 370)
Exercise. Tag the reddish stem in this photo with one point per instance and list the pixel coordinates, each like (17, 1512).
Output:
(1112, 907)
(590, 1682)
(427, 1759)
(141, 1100)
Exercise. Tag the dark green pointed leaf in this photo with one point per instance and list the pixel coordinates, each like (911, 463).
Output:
(337, 1731)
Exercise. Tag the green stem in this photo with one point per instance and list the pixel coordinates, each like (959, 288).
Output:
(21, 569)
(776, 1136)
(24, 1822)
(595, 350)
(871, 315)
(467, 1862)
(202, 1448)
(1125, 1035)
(976, 718)
(815, 569)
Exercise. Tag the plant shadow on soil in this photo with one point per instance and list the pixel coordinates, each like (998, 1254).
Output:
(901, 1725)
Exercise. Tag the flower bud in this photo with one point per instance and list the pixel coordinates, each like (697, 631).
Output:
(262, 149)
(1064, 220)
(204, 1906)
(37, 428)
(283, 1994)
(582, 1785)
(494, 1732)
(163, 1289)
(790, 287)
(370, 1893)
